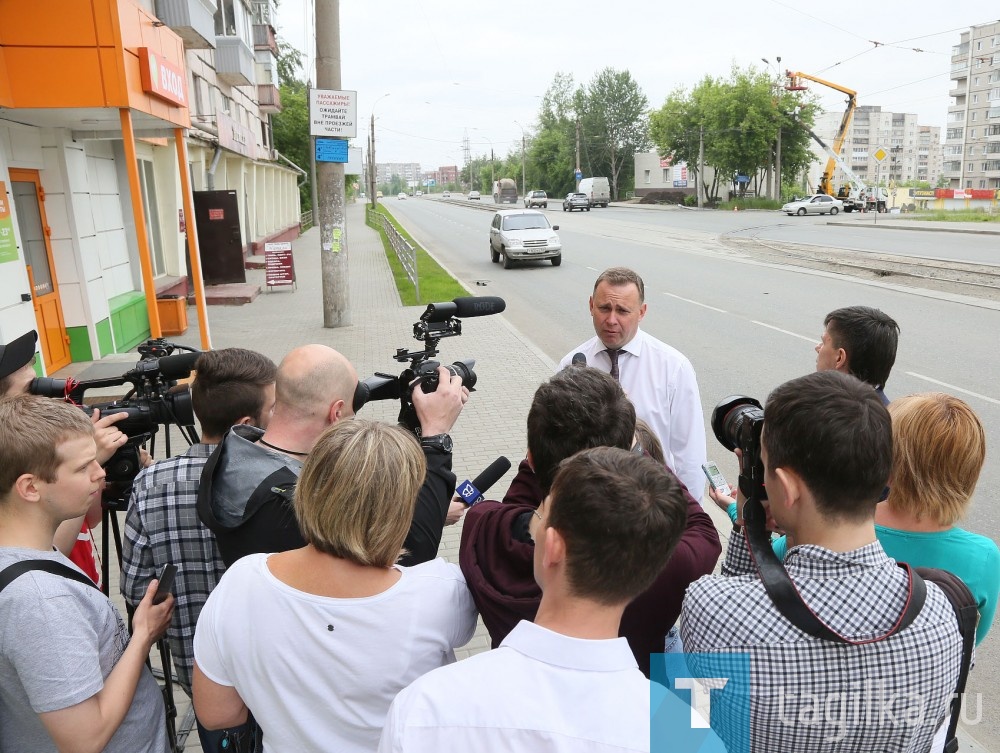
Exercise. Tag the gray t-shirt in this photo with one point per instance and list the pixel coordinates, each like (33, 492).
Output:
(59, 640)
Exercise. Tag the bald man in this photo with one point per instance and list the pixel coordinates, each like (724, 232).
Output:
(246, 490)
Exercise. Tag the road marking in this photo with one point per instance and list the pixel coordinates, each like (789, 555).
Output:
(593, 270)
(785, 331)
(696, 303)
(953, 387)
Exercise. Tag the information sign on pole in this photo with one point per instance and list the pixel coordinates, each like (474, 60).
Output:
(331, 150)
(279, 267)
(333, 113)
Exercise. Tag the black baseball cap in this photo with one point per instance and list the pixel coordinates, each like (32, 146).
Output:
(17, 353)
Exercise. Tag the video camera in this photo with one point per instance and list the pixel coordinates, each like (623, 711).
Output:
(154, 399)
(438, 321)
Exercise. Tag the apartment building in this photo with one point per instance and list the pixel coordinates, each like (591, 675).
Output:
(913, 152)
(408, 171)
(122, 122)
(972, 139)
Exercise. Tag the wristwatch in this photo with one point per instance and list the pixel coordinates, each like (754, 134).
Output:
(440, 442)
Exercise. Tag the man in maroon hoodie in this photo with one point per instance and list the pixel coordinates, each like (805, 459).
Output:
(578, 408)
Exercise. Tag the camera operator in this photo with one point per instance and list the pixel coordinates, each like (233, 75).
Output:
(17, 359)
(875, 681)
(578, 408)
(231, 386)
(246, 490)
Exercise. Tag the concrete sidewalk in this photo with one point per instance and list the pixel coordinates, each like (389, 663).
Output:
(509, 366)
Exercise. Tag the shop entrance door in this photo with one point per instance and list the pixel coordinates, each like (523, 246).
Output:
(29, 205)
(218, 218)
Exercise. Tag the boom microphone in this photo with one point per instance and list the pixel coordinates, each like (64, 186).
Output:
(579, 359)
(478, 306)
(177, 366)
(472, 492)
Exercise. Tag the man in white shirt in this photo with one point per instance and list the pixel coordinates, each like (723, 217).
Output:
(566, 682)
(658, 379)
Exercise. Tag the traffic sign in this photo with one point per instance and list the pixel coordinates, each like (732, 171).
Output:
(880, 154)
(742, 178)
(333, 113)
(331, 150)
(578, 174)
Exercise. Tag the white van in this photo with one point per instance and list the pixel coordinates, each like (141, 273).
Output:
(598, 191)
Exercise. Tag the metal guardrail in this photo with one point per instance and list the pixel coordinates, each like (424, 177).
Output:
(405, 252)
(305, 220)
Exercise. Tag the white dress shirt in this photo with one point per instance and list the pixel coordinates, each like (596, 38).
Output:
(540, 691)
(660, 382)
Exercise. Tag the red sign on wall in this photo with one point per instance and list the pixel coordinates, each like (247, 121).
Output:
(162, 78)
(216, 214)
(279, 267)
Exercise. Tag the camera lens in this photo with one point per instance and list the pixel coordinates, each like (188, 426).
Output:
(729, 417)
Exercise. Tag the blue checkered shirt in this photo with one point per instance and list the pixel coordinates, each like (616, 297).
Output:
(808, 694)
(162, 526)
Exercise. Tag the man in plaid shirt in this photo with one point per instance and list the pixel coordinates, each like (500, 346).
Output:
(827, 454)
(231, 386)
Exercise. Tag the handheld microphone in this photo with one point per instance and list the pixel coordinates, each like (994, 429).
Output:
(478, 306)
(472, 492)
(579, 359)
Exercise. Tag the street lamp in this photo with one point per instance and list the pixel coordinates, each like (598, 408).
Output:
(777, 151)
(371, 151)
(524, 186)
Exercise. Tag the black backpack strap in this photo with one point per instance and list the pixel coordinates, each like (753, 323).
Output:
(967, 612)
(11, 572)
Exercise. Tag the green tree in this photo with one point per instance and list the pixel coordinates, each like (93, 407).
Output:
(615, 117)
(291, 125)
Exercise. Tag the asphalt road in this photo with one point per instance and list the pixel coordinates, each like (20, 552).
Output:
(746, 326)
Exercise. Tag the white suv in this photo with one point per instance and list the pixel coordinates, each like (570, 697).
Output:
(523, 234)
(536, 199)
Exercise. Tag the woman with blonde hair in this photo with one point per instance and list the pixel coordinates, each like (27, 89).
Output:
(316, 642)
(938, 451)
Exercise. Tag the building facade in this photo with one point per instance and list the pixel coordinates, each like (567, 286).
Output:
(408, 171)
(912, 152)
(113, 119)
(972, 139)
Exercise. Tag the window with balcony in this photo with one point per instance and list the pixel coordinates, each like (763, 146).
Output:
(954, 133)
(993, 130)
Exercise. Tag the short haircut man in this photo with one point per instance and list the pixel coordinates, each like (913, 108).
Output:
(827, 454)
(659, 380)
(231, 386)
(861, 341)
(566, 682)
(577, 409)
(68, 669)
(248, 483)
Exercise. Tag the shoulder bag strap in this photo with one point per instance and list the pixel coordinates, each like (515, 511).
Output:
(11, 572)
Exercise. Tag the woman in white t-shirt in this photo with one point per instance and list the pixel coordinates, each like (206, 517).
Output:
(316, 642)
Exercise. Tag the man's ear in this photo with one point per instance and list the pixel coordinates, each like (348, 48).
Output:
(590, 304)
(246, 421)
(26, 487)
(792, 486)
(555, 547)
(336, 411)
(531, 463)
(842, 361)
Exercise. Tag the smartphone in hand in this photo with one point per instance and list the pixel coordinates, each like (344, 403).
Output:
(166, 583)
(716, 479)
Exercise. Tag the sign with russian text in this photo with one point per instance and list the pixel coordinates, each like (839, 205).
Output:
(161, 78)
(331, 150)
(8, 248)
(333, 113)
(279, 268)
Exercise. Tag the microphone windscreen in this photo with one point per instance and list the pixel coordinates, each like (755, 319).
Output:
(479, 306)
(178, 365)
(579, 359)
(492, 474)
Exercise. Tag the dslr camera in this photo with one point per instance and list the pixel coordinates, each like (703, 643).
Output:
(738, 422)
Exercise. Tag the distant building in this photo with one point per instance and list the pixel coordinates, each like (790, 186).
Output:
(656, 173)
(408, 171)
(914, 152)
(972, 140)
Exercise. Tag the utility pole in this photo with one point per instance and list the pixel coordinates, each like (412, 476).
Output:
(577, 150)
(701, 162)
(312, 172)
(777, 164)
(371, 159)
(330, 178)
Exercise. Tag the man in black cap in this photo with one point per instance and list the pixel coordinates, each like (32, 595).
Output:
(17, 361)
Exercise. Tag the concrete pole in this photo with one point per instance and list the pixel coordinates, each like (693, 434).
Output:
(701, 163)
(577, 182)
(330, 179)
(777, 165)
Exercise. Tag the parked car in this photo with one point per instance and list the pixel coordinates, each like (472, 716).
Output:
(817, 204)
(446, 195)
(474, 195)
(536, 199)
(576, 201)
(521, 234)
(378, 194)
(420, 193)
(401, 195)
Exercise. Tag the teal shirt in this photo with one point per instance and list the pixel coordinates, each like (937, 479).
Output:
(973, 558)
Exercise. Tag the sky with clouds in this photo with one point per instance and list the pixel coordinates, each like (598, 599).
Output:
(454, 68)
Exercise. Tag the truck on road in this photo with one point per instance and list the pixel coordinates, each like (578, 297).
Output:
(598, 191)
(504, 191)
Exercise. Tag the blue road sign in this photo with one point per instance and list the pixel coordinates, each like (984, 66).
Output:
(331, 150)
(579, 174)
(742, 179)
